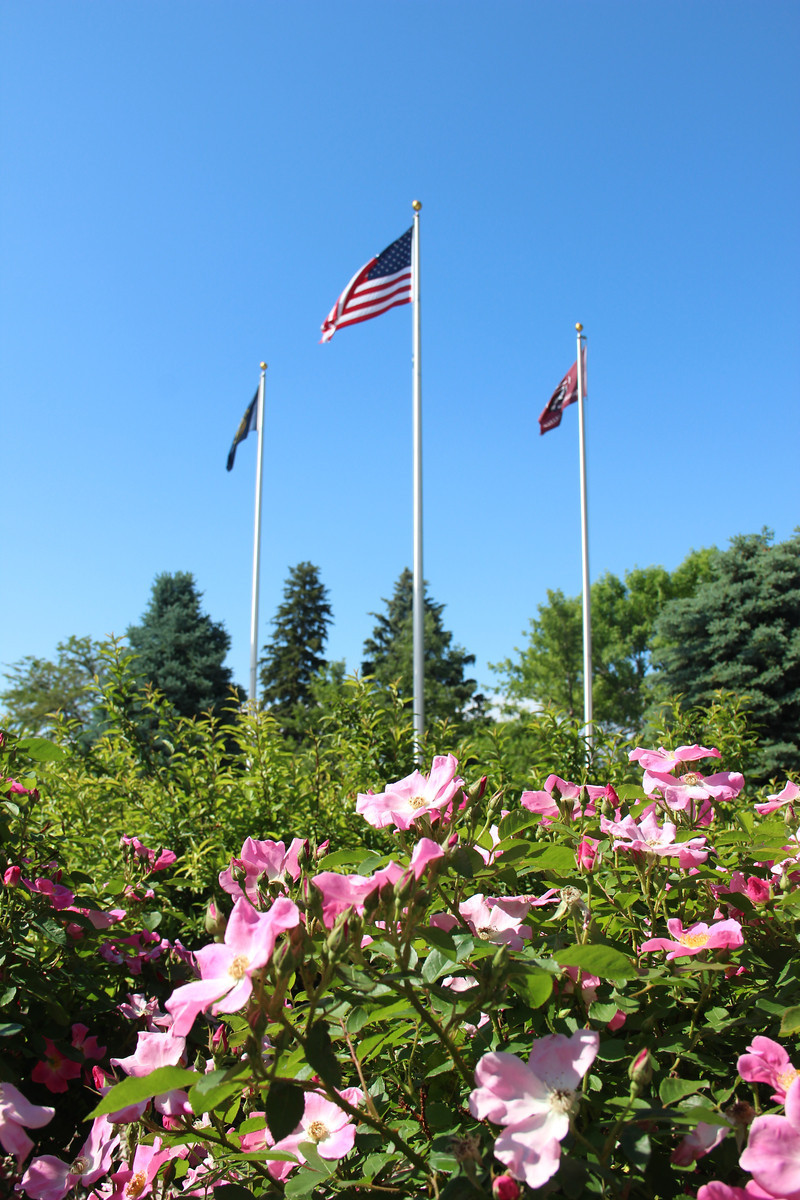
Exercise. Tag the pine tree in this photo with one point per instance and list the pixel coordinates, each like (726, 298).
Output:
(740, 632)
(388, 656)
(293, 656)
(180, 650)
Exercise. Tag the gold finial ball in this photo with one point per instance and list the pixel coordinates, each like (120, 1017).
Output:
(416, 205)
(579, 327)
(263, 366)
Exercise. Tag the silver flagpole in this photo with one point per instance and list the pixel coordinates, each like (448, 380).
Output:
(257, 543)
(418, 611)
(587, 595)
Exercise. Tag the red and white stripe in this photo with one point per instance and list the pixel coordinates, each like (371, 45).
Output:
(365, 298)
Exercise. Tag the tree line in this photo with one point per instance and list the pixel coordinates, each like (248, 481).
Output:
(721, 620)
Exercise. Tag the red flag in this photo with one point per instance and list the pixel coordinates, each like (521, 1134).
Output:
(566, 393)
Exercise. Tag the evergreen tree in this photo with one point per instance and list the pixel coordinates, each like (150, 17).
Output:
(389, 653)
(180, 650)
(293, 657)
(39, 689)
(740, 631)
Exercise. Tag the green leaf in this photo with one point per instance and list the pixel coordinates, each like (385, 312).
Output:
(790, 1021)
(515, 821)
(232, 1191)
(466, 862)
(8, 1029)
(302, 1182)
(39, 749)
(356, 1020)
(442, 940)
(339, 857)
(534, 987)
(51, 930)
(133, 1091)
(636, 1146)
(603, 961)
(284, 1107)
(204, 1099)
(552, 858)
(320, 1055)
(670, 1091)
(437, 963)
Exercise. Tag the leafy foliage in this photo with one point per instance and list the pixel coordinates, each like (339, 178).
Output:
(379, 1013)
(39, 691)
(549, 668)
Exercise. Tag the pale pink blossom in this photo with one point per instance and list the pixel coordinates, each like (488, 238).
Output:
(136, 1180)
(89, 1046)
(340, 892)
(225, 969)
(267, 861)
(323, 1123)
(488, 919)
(153, 1050)
(766, 1061)
(693, 793)
(48, 1178)
(16, 1115)
(723, 1191)
(533, 1101)
(668, 760)
(701, 1141)
(684, 942)
(58, 895)
(787, 796)
(545, 802)
(772, 1154)
(155, 861)
(403, 802)
(648, 837)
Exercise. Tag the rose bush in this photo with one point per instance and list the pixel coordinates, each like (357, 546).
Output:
(588, 990)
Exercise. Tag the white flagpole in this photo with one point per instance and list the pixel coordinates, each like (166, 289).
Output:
(257, 543)
(587, 595)
(418, 610)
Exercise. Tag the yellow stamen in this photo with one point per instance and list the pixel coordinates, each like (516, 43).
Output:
(693, 939)
(318, 1131)
(238, 968)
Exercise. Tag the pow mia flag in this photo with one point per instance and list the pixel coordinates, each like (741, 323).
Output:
(566, 393)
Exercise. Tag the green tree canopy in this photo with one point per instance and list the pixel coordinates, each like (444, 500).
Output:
(388, 656)
(740, 631)
(180, 650)
(549, 668)
(39, 689)
(293, 658)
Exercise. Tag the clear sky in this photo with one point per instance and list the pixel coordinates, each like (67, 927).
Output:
(187, 186)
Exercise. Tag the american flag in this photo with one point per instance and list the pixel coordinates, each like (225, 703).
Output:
(383, 283)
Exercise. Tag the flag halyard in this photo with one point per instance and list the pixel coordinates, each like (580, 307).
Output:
(385, 282)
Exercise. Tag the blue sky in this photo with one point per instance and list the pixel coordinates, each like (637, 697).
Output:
(186, 188)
